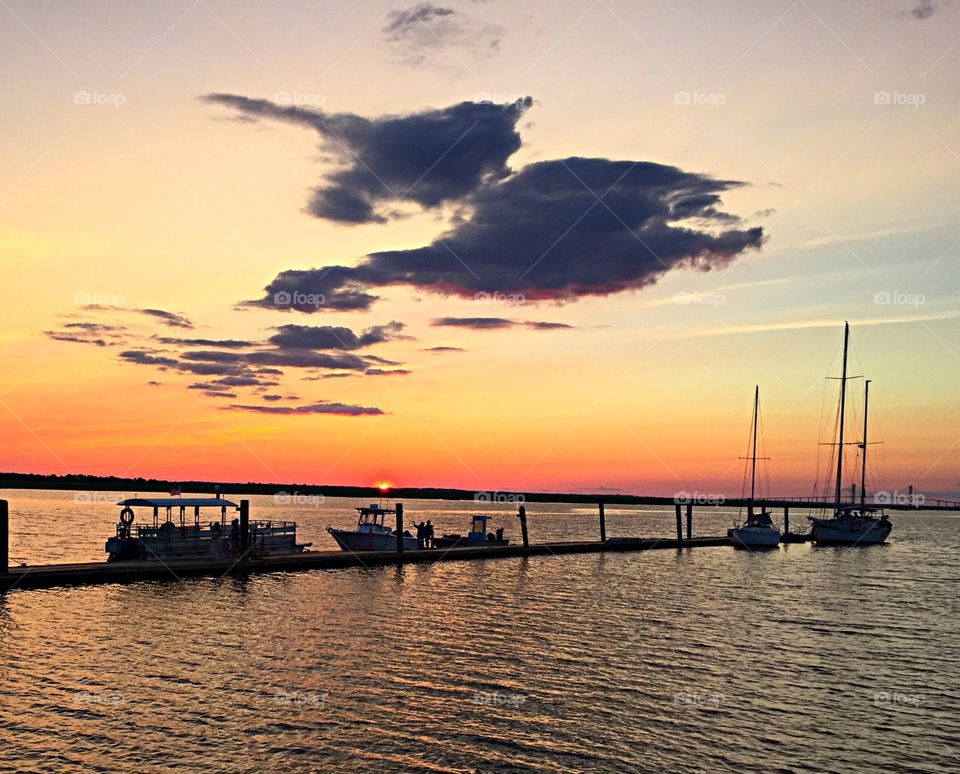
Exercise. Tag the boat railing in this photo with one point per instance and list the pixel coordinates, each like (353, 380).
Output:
(203, 531)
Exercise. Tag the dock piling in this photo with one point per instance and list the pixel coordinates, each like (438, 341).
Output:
(786, 519)
(689, 521)
(523, 525)
(603, 525)
(679, 526)
(4, 538)
(244, 526)
(399, 510)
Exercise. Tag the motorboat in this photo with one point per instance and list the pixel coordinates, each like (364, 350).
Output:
(170, 534)
(476, 537)
(371, 533)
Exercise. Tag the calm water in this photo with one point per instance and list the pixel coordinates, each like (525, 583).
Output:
(802, 659)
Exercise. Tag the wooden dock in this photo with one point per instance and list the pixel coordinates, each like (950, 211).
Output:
(51, 575)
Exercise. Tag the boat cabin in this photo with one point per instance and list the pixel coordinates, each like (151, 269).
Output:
(478, 528)
(371, 518)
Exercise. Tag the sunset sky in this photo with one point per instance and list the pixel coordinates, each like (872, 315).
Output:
(485, 244)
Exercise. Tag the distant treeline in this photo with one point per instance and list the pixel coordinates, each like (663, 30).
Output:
(116, 484)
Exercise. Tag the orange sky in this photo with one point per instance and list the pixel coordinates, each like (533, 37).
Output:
(140, 196)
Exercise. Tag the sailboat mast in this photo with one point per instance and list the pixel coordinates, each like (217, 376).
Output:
(863, 469)
(753, 457)
(843, 407)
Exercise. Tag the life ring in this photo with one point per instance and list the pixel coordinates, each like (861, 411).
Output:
(126, 517)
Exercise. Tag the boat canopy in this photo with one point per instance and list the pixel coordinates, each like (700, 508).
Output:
(174, 502)
(374, 508)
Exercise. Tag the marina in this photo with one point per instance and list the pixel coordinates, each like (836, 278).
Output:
(188, 550)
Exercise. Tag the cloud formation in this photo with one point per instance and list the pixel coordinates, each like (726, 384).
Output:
(428, 159)
(321, 407)
(333, 337)
(491, 324)
(556, 230)
(172, 319)
(426, 32)
(924, 9)
(223, 343)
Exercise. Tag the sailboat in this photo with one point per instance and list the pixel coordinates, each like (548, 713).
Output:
(758, 530)
(853, 524)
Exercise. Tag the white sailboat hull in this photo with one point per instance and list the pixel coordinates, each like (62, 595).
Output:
(850, 532)
(754, 537)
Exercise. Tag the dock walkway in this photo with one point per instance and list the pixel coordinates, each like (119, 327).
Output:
(51, 575)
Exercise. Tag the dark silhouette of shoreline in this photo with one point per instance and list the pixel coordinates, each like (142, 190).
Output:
(88, 483)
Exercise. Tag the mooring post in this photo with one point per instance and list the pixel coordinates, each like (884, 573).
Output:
(786, 519)
(244, 527)
(603, 525)
(523, 525)
(689, 521)
(750, 512)
(4, 537)
(679, 526)
(399, 509)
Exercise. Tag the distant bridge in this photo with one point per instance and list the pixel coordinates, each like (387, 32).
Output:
(887, 500)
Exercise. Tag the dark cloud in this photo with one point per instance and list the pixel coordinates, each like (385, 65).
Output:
(98, 334)
(494, 323)
(169, 318)
(212, 390)
(428, 32)
(924, 9)
(444, 349)
(386, 372)
(246, 380)
(74, 338)
(545, 326)
(557, 230)
(429, 158)
(332, 337)
(481, 323)
(223, 343)
(289, 358)
(321, 407)
(92, 327)
(142, 357)
(154, 383)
